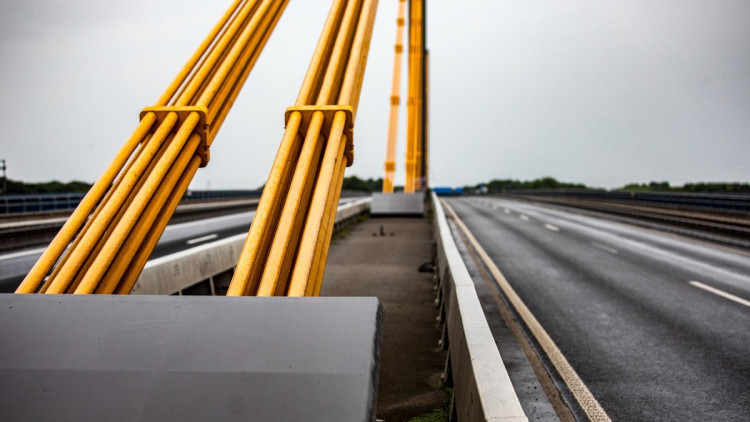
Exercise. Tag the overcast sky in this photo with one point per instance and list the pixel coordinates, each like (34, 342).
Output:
(598, 92)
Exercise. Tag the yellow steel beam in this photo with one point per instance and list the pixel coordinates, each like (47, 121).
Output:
(423, 91)
(336, 159)
(111, 234)
(109, 209)
(130, 276)
(199, 55)
(426, 122)
(246, 275)
(254, 254)
(132, 215)
(409, 185)
(287, 244)
(321, 254)
(337, 62)
(314, 76)
(316, 227)
(77, 219)
(417, 130)
(414, 122)
(285, 241)
(121, 261)
(390, 156)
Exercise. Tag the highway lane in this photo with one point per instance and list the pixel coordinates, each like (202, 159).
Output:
(628, 308)
(176, 237)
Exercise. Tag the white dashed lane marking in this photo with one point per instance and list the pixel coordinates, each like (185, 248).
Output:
(202, 239)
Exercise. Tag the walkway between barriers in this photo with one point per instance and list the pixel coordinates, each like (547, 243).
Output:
(381, 257)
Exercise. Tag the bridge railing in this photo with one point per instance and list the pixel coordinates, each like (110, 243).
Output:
(51, 202)
(718, 202)
(43, 202)
(203, 195)
(482, 387)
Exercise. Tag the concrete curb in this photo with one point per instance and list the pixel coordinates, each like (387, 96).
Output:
(482, 388)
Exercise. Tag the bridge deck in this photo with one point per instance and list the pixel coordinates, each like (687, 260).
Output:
(371, 262)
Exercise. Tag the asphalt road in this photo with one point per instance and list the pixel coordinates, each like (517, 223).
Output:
(632, 310)
(176, 237)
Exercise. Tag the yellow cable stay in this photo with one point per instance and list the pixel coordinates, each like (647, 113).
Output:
(415, 128)
(287, 246)
(104, 245)
(390, 157)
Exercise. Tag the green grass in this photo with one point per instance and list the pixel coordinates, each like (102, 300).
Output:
(440, 414)
(437, 415)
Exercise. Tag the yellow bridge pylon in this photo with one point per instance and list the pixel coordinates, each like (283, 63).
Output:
(415, 122)
(390, 157)
(416, 165)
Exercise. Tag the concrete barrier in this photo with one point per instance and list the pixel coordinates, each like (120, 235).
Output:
(482, 389)
(206, 268)
(119, 358)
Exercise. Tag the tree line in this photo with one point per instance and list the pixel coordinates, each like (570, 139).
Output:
(18, 187)
(550, 183)
(354, 183)
(499, 185)
(703, 187)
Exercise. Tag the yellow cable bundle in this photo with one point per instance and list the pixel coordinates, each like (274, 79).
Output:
(287, 246)
(104, 245)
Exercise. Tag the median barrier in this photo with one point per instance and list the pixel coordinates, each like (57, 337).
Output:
(121, 358)
(34, 229)
(482, 389)
(207, 268)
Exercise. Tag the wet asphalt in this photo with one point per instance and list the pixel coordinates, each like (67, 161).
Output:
(618, 302)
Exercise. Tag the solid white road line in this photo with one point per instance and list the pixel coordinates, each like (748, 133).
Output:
(202, 239)
(551, 227)
(583, 395)
(606, 248)
(507, 211)
(524, 217)
(721, 293)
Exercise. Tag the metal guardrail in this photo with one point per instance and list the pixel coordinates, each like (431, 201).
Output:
(213, 263)
(482, 387)
(19, 204)
(735, 203)
(30, 230)
(719, 218)
(202, 195)
(51, 202)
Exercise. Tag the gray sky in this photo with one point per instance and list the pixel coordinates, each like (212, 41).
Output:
(599, 92)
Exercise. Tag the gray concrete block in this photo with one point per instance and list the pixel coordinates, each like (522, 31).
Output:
(397, 204)
(146, 358)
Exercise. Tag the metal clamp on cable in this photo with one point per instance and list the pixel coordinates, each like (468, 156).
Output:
(183, 112)
(329, 111)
